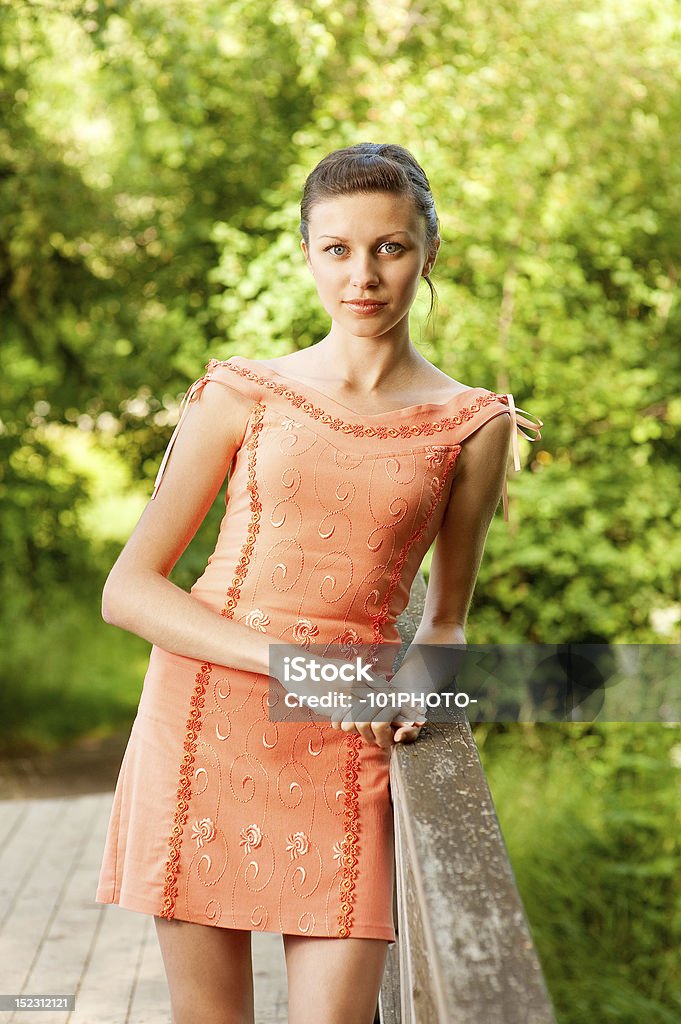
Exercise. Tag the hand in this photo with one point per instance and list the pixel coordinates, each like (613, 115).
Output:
(377, 725)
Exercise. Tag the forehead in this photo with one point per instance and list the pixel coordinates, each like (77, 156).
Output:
(365, 214)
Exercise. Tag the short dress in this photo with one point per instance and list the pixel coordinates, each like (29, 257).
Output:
(222, 816)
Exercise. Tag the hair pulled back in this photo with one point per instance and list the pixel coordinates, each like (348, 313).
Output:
(372, 167)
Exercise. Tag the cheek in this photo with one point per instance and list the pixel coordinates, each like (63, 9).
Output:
(408, 276)
(326, 278)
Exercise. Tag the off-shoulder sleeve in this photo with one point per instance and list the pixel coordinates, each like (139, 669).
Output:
(222, 371)
(486, 406)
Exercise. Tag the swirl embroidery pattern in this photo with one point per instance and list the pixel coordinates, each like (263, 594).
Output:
(397, 571)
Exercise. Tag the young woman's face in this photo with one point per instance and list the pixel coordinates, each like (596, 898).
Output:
(367, 254)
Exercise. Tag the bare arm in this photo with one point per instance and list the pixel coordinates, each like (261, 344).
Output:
(137, 595)
(460, 542)
(457, 555)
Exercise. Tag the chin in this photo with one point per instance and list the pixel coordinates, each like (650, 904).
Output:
(371, 327)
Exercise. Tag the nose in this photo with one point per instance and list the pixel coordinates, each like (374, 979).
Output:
(363, 272)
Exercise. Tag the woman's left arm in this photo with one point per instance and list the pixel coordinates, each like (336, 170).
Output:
(474, 497)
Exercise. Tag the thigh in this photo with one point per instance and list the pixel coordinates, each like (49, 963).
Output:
(334, 980)
(209, 972)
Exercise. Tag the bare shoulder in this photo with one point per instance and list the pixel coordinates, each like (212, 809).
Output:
(437, 384)
(485, 451)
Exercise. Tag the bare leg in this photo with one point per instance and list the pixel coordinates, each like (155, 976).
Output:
(333, 981)
(209, 972)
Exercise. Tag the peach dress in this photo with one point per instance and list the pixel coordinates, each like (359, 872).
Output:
(221, 815)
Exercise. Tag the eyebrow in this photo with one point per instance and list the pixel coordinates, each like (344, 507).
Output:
(398, 231)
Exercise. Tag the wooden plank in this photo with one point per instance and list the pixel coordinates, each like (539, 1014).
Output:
(22, 851)
(12, 814)
(150, 999)
(421, 998)
(389, 996)
(463, 938)
(269, 978)
(66, 947)
(105, 993)
(123, 978)
(474, 938)
(39, 885)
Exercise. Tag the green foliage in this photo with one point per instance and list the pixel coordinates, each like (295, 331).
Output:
(152, 158)
(67, 674)
(590, 816)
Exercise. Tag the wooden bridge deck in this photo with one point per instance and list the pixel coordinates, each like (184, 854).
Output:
(55, 939)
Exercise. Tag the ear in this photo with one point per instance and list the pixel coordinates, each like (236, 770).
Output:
(306, 254)
(432, 257)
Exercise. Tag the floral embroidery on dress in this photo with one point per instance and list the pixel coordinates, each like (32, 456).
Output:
(289, 424)
(348, 642)
(304, 630)
(203, 831)
(435, 455)
(251, 837)
(257, 619)
(297, 844)
(338, 852)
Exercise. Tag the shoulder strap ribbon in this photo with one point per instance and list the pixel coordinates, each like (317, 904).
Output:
(190, 394)
(526, 420)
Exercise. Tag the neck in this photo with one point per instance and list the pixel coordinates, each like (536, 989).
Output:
(370, 362)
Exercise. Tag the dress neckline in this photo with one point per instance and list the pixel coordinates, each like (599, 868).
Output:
(404, 411)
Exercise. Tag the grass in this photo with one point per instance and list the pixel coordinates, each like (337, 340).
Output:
(591, 822)
(67, 674)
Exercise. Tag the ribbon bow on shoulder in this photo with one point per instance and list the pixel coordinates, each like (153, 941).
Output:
(526, 420)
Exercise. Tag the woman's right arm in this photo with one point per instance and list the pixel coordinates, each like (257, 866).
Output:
(137, 595)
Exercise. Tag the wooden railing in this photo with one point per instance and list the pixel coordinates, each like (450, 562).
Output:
(464, 952)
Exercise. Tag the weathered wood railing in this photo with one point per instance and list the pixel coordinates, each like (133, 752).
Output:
(464, 952)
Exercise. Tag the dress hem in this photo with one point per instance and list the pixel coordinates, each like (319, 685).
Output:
(144, 905)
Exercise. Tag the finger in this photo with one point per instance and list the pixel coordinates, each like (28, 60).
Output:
(404, 719)
(407, 734)
(337, 716)
(369, 735)
(382, 734)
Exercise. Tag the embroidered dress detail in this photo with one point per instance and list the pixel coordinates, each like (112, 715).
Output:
(234, 591)
(350, 845)
(169, 894)
(381, 431)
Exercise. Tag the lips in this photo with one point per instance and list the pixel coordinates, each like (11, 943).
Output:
(364, 305)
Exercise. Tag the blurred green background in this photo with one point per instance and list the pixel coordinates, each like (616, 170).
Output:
(152, 156)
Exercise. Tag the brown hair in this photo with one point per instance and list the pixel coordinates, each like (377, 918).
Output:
(371, 167)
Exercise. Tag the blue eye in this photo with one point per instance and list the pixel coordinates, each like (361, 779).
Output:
(396, 247)
(337, 245)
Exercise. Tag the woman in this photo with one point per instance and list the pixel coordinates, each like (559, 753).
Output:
(346, 460)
